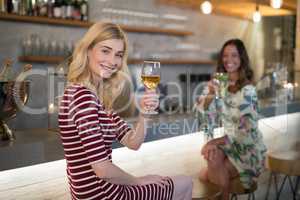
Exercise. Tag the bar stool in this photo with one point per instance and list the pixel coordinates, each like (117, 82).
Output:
(205, 190)
(286, 162)
(236, 188)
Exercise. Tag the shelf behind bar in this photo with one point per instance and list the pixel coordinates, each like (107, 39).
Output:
(172, 61)
(145, 29)
(42, 59)
(58, 59)
(44, 20)
(77, 23)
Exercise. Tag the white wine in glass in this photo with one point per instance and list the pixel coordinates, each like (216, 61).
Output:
(151, 78)
(222, 79)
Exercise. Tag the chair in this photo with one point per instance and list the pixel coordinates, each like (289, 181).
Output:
(236, 188)
(287, 163)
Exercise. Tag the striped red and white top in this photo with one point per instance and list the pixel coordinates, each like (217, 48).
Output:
(87, 132)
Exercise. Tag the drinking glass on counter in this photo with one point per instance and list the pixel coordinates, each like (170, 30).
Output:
(150, 77)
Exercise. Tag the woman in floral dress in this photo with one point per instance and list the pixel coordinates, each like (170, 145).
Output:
(241, 151)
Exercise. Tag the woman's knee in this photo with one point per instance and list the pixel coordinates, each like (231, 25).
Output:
(218, 160)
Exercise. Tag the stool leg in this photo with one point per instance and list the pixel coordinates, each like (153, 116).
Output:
(251, 196)
(234, 197)
(294, 189)
(297, 183)
(281, 187)
(269, 185)
(277, 192)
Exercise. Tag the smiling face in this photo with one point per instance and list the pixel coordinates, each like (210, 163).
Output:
(231, 58)
(106, 57)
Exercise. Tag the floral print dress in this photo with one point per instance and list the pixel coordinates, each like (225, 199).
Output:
(238, 114)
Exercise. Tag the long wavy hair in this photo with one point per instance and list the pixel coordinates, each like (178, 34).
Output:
(79, 72)
(245, 71)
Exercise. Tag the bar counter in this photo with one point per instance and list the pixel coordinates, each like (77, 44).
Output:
(36, 146)
(168, 157)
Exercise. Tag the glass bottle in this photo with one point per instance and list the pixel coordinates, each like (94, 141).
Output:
(2, 6)
(49, 8)
(22, 7)
(84, 10)
(69, 9)
(9, 6)
(43, 8)
(57, 9)
(36, 8)
(29, 8)
(76, 10)
(64, 6)
(16, 6)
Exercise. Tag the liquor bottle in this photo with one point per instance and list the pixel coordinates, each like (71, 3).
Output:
(69, 9)
(36, 8)
(76, 10)
(22, 7)
(57, 9)
(50, 8)
(9, 6)
(2, 6)
(84, 10)
(43, 8)
(64, 6)
(16, 6)
(7, 72)
(29, 8)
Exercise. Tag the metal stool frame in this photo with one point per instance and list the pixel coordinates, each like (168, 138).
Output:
(246, 191)
(251, 196)
(293, 188)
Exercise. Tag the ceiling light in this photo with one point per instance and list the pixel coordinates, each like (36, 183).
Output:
(276, 3)
(206, 7)
(256, 14)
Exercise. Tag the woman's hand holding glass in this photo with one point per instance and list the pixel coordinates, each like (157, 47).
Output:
(149, 102)
(218, 85)
(221, 84)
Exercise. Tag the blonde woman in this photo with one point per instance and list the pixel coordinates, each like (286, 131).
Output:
(88, 126)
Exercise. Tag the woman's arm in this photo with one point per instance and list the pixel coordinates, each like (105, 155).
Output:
(134, 138)
(206, 100)
(113, 174)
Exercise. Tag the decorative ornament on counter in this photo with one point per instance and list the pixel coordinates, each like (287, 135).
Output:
(13, 96)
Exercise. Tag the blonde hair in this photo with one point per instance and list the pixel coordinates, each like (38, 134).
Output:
(79, 72)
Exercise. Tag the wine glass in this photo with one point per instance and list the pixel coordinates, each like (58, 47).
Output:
(150, 77)
(222, 80)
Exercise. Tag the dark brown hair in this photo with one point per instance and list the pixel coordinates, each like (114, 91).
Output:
(245, 71)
